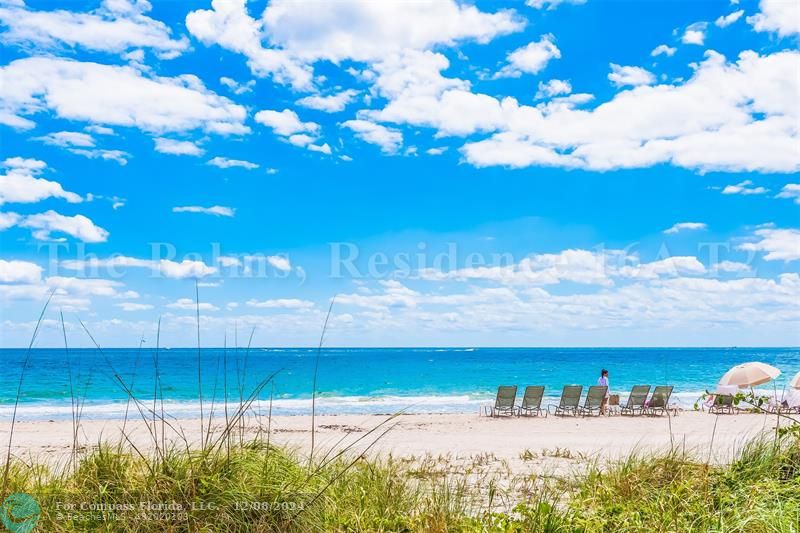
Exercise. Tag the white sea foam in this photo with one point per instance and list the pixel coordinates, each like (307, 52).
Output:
(384, 404)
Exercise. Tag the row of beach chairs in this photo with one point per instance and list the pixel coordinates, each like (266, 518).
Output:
(570, 402)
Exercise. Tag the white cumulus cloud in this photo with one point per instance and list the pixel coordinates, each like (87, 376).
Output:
(20, 185)
(664, 49)
(285, 122)
(216, 210)
(229, 25)
(187, 304)
(237, 87)
(695, 34)
(720, 119)
(281, 303)
(726, 20)
(531, 58)
(176, 147)
(9, 219)
(19, 272)
(779, 16)
(790, 191)
(551, 4)
(552, 88)
(187, 268)
(778, 244)
(67, 139)
(389, 140)
(633, 76)
(78, 226)
(684, 226)
(133, 306)
(280, 262)
(224, 162)
(330, 104)
(90, 92)
(115, 27)
(83, 144)
(745, 188)
(376, 29)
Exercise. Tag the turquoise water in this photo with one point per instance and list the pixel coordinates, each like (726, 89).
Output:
(364, 380)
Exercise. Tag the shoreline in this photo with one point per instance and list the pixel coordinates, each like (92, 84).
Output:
(355, 405)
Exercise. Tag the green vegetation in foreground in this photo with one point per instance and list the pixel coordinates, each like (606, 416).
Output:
(759, 492)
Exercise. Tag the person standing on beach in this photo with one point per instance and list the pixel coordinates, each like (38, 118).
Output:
(603, 382)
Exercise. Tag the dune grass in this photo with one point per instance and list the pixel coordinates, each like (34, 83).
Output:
(759, 491)
(260, 487)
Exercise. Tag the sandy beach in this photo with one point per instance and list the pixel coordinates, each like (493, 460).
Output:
(517, 443)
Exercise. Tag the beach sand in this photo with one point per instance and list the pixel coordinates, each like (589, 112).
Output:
(519, 445)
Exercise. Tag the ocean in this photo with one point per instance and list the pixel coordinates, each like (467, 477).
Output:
(353, 380)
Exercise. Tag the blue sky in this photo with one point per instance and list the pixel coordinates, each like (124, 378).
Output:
(532, 174)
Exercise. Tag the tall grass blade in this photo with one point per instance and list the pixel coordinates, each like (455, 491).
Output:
(199, 355)
(314, 382)
(25, 364)
(73, 411)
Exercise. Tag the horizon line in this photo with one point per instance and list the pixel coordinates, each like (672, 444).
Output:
(312, 347)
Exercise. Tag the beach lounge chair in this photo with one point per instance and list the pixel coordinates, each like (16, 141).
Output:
(776, 405)
(659, 401)
(792, 403)
(504, 403)
(570, 399)
(532, 401)
(722, 400)
(723, 404)
(636, 400)
(594, 399)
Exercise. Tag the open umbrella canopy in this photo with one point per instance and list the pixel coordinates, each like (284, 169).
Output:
(749, 375)
(795, 383)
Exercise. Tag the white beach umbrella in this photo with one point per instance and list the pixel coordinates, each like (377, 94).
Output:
(795, 383)
(749, 375)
